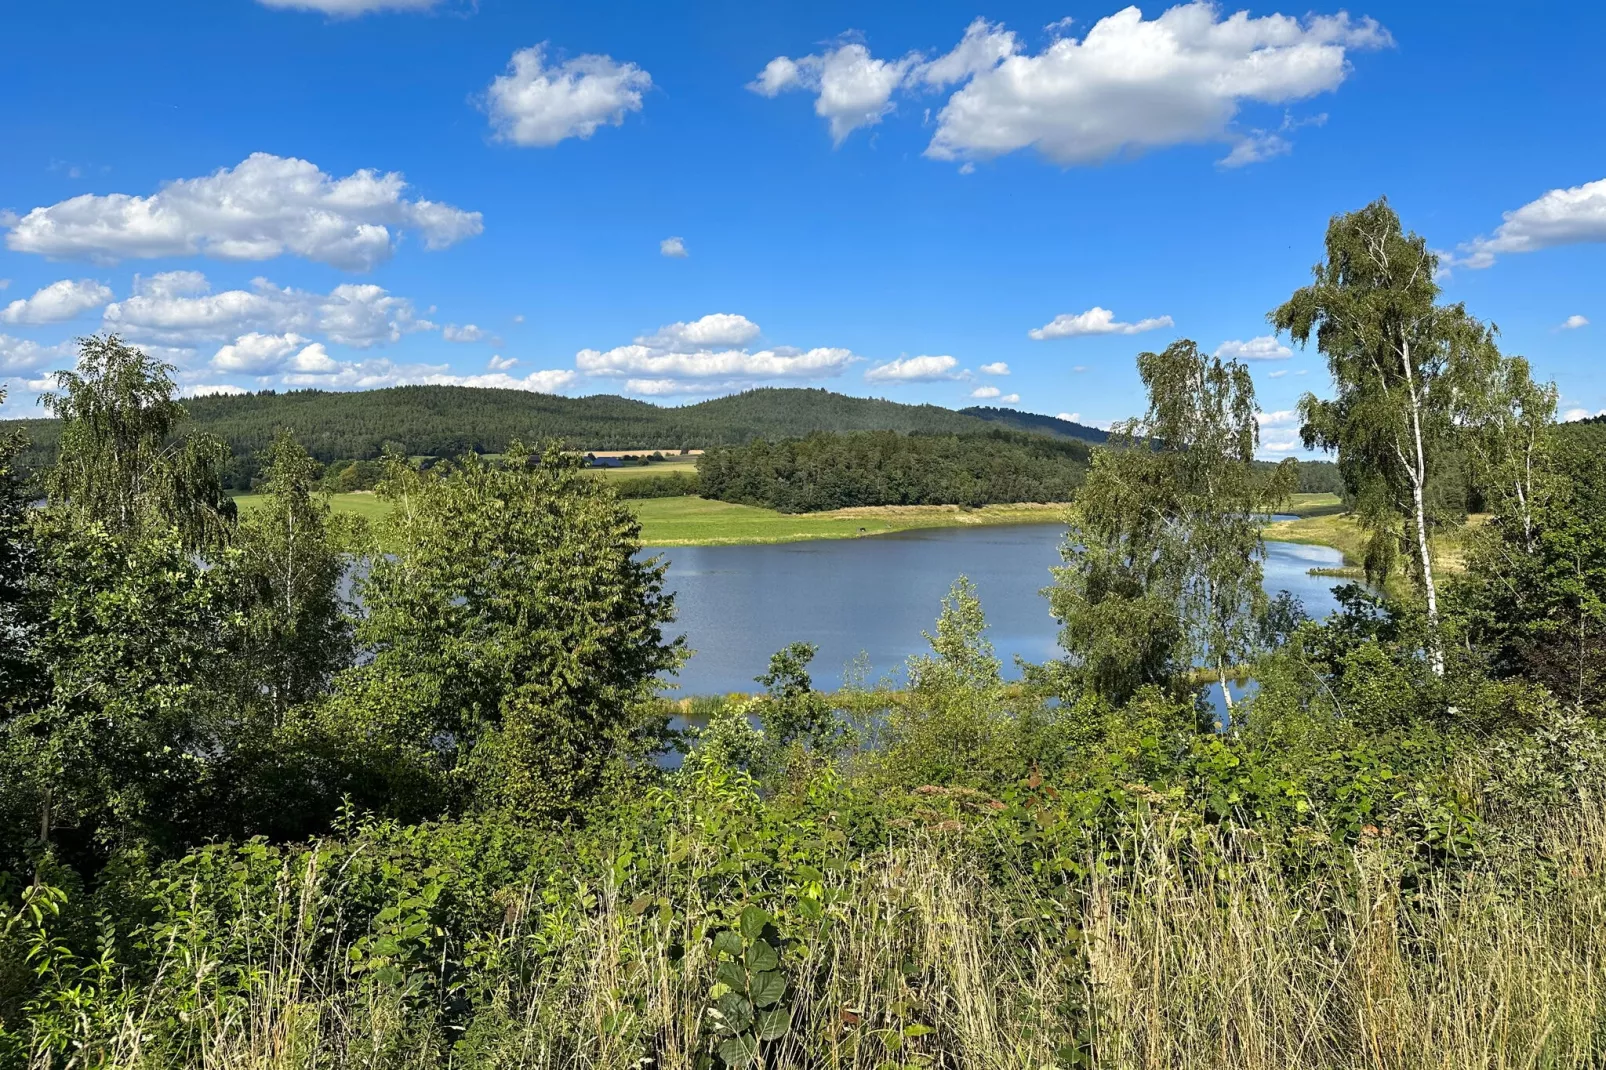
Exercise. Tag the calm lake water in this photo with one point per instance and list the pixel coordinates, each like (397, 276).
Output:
(874, 596)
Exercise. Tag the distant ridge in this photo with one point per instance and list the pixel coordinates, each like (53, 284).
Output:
(1031, 421)
(451, 420)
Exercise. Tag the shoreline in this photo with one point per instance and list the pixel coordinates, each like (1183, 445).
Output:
(693, 521)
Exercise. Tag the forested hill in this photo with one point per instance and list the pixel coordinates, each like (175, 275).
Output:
(451, 420)
(1031, 421)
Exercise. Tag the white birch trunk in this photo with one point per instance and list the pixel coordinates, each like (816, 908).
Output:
(1419, 475)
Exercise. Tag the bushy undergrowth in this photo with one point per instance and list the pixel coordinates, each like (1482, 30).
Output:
(1150, 897)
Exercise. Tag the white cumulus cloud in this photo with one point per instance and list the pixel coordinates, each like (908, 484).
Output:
(706, 355)
(26, 355)
(985, 392)
(499, 363)
(1561, 217)
(1131, 84)
(536, 104)
(922, 369)
(546, 381)
(675, 247)
(1073, 417)
(1127, 85)
(852, 88)
(997, 367)
(258, 354)
(1572, 323)
(1265, 347)
(716, 329)
(468, 332)
(730, 364)
(1095, 320)
(207, 390)
(178, 307)
(1580, 414)
(266, 206)
(57, 302)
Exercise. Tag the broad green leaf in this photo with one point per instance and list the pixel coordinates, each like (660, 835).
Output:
(767, 988)
(761, 956)
(738, 1051)
(732, 974)
(753, 921)
(737, 1012)
(775, 1023)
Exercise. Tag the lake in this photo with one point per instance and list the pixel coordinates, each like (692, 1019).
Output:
(874, 596)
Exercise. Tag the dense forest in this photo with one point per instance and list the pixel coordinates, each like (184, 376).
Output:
(446, 421)
(838, 471)
(271, 798)
(1031, 421)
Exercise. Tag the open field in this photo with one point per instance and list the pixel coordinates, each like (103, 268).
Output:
(692, 521)
(1344, 533)
(660, 468)
(1312, 505)
(363, 503)
(700, 522)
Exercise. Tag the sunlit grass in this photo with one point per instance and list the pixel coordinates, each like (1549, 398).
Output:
(691, 521)
(700, 522)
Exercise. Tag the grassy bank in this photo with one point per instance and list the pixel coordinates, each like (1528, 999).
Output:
(1344, 533)
(691, 521)
(687, 466)
(700, 522)
(1303, 505)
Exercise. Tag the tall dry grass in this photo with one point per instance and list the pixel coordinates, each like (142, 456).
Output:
(1163, 961)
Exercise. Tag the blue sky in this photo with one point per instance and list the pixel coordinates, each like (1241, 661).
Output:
(883, 200)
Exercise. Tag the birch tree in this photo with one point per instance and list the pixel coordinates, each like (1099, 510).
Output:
(1373, 310)
(1164, 561)
(122, 463)
(1507, 419)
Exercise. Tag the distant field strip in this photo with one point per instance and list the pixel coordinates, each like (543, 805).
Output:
(691, 521)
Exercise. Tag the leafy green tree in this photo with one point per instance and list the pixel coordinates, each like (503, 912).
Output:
(1164, 552)
(297, 632)
(1508, 420)
(512, 637)
(1393, 352)
(1532, 600)
(130, 630)
(17, 561)
(793, 710)
(111, 752)
(120, 463)
(951, 725)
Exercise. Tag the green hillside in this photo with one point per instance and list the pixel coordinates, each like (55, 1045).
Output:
(451, 420)
(1032, 421)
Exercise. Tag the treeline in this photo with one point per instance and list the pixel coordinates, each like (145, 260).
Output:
(448, 421)
(839, 471)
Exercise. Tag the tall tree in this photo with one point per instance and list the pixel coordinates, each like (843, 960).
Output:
(1390, 346)
(18, 554)
(1508, 418)
(514, 634)
(298, 633)
(121, 462)
(1167, 532)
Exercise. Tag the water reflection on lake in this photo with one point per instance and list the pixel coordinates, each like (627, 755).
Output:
(875, 595)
